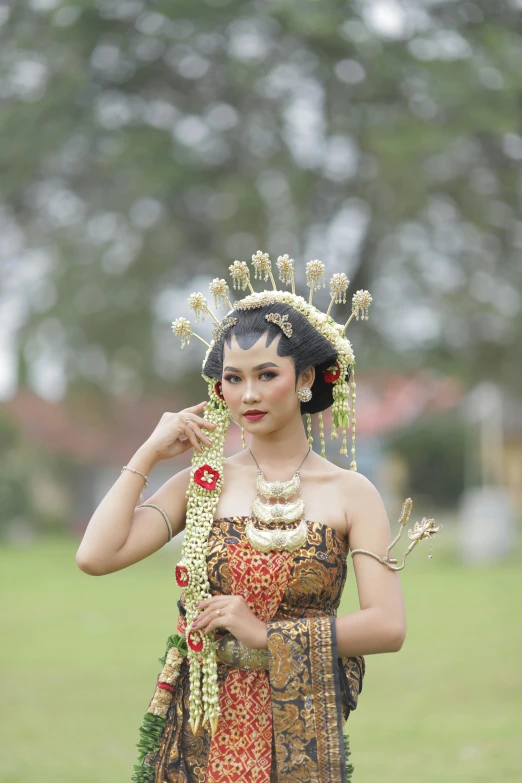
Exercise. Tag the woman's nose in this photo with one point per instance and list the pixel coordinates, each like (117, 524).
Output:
(250, 394)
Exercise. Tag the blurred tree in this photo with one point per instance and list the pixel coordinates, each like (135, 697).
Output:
(145, 143)
(33, 485)
(434, 452)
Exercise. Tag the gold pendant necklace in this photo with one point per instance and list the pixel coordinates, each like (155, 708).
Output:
(278, 539)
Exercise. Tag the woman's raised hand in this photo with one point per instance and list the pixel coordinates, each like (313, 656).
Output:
(177, 432)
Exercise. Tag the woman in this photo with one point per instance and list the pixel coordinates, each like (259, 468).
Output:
(261, 675)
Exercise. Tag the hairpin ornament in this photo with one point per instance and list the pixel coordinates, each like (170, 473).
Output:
(282, 321)
(220, 329)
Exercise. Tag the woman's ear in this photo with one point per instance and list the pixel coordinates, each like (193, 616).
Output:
(307, 377)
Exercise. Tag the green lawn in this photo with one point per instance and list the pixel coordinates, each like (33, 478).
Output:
(79, 661)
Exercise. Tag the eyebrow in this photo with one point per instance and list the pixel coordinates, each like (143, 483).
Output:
(257, 367)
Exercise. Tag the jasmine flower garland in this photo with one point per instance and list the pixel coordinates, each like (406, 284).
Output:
(203, 493)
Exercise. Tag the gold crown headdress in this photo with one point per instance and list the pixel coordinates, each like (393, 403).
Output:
(343, 408)
(207, 466)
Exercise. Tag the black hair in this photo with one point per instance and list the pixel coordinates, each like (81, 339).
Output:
(307, 347)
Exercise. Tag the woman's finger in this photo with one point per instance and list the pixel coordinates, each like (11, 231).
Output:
(220, 604)
(201, 435)
(196, 430)
(205, 423)
(214, 625)
(198, 407)
(192, 437)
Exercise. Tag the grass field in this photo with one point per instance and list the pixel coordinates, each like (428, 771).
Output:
(79, 661)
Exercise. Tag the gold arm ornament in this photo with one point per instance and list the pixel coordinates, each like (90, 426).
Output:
(421, 530)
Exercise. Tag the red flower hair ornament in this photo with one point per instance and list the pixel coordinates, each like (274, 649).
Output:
(331, 374)
(206, 477)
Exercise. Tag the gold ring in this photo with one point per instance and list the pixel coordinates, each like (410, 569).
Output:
(218, 611)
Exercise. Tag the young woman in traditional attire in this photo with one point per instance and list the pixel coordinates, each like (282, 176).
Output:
(261, 675)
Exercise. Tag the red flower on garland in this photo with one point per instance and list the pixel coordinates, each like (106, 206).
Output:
(219, 390)
(194, 641)
(332, 373)
(182, 575)
(206, 477)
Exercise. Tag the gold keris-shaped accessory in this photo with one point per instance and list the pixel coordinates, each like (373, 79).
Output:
(420, 531)
(282, 321)
(232, 652)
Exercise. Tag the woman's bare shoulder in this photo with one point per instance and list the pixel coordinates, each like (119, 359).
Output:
(359, 495)
(350, 479)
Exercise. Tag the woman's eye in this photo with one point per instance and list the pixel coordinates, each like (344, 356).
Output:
(231, 378)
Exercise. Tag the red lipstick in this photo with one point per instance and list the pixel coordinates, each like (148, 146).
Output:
(254, 415)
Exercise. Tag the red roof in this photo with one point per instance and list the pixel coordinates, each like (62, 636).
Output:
(388, 400)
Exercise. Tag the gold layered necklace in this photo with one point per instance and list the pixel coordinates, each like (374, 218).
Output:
(279, 538)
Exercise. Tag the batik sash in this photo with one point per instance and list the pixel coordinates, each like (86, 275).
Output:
(306, 700)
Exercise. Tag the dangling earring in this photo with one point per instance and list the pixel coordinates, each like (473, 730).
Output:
(304, 394)
(309, 428)
(321, 434)
(243, 440)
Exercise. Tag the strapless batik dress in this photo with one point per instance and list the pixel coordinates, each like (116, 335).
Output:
(283, 724)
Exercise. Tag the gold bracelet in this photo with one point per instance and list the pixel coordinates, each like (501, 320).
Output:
(164, 515)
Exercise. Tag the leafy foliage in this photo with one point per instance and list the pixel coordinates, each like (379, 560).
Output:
(146, 143)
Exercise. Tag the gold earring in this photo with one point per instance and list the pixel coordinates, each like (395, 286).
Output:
(304, 394)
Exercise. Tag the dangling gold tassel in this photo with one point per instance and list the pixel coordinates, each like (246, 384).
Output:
(353, 463)
(321, 435)
(243, 441)
(309, 428)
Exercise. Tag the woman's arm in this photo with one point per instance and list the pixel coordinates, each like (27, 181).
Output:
(119, 534)
(380, 625)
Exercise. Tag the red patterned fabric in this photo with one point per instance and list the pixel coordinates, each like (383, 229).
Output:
(241, 750)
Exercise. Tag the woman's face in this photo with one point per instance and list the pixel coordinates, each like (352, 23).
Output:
(259, 379)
